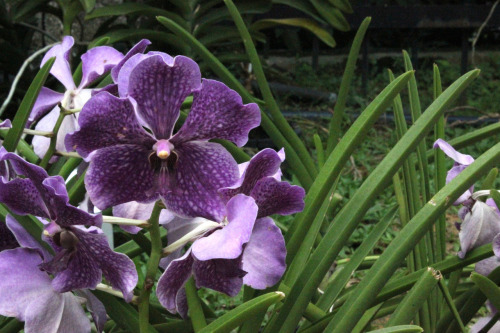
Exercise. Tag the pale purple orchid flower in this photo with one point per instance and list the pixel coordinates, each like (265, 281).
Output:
(479, 227)
(246, 247)
(96, 63)
(28, 294)
(82, 255)
(129, 163)
(462, 161)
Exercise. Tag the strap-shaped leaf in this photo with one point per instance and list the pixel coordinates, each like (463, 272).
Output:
(343, 5)
(122, 313)
(26, 106)
(242, 313)
(400, 329)
(413, 301)
(331, 14)
(134, 8)
(488, 287)
(348, 218)
(308, 24)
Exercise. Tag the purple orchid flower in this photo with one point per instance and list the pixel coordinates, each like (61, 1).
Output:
(127, 163)
(480, 226)
(96, 63)
(246, 247)
(34, 299)
(82, 255)
(462, 161)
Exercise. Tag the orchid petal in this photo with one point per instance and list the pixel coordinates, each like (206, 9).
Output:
(218, 112)
(264, 255)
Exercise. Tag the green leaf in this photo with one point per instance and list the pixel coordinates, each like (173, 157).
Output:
(343, 5)
(88, 5)
(495, 196)
(135, 34)
(242, 313)
(400, 329)
(339, 281)
(413, 301)
(26, 106)
(302, 239)
(134, 8)
(388, 262)
(282, 124)
(345, 85)
(122, 313)
(348, 218)
(331, 14)
(304, 6)
(308, 24)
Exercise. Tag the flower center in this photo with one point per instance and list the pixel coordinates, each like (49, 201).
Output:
(66, 239)
(163, 149)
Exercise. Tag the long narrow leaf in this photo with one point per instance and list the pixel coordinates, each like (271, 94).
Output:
(349, 217)
(408, 237)
(26, 106)
(242, 313)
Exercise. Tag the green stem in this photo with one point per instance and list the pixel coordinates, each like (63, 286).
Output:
(53, 140)
(449, 300)
(195, 310)
(151, 268)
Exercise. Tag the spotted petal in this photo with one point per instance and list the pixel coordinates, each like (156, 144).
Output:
(120, 174)
(98, 61)
(85, 264)
(264, 255)
(218, 112)
(266, 163)
(61, 69)
(107, 121)
(22, 197)
(276, 197)
(202, 168)
(223, 275)
(63, 213)
(7, 238)
(228, 242)
(160, 88)
(136, 49)
(24, 239)
(172, 280)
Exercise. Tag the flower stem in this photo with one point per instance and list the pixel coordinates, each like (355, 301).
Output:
(151, 268)
(108, 289)
(53, 140)
(125, 221)
(67, 154)
(194, 305)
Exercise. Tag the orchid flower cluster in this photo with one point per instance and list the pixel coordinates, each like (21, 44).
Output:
(217, 213)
